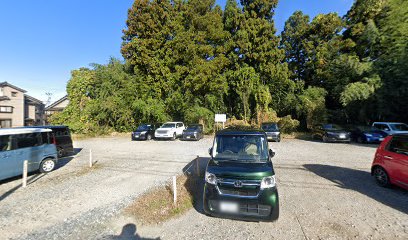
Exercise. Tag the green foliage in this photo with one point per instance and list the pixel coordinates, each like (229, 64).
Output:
(186, 60)
(288, 125)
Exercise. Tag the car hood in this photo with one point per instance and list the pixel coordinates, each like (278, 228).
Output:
(272, 131)
(239, 170)
(337, 131)
(375, 133)
(164, 129)
(190, 131)
(140, 131)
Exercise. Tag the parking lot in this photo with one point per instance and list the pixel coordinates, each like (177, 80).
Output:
(326, 192)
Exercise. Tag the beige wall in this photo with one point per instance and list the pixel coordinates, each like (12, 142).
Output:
(31, 112)
(17, 102)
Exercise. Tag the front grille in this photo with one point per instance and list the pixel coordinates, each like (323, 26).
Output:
(255, 209)
(161, 131)
(191, 135)
(239, 192)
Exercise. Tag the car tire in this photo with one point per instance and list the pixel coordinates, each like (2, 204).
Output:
(325, 139)
(360, 140)
(279, 139)
(148, 137)
(174, 137)
(381, 177)
(47, 165)
(60, 152)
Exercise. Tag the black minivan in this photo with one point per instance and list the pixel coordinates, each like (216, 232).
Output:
(63, 139)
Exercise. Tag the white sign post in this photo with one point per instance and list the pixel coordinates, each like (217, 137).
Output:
(220, 118)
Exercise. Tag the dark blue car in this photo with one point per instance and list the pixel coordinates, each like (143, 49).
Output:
(367, 134)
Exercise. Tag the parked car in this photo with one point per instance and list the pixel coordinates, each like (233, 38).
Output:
(170, 130)
(272, 131)
(35, 145)
(63, 139)
(239, 179)
(193, 132)
(391, 128)
(390, 165)
(367, 134)
(331, 133)
(144, 132)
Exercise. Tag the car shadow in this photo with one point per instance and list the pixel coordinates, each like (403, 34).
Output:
(362, 182)
(65, 160)
(128, 233)
(195, 181)
(32, 178)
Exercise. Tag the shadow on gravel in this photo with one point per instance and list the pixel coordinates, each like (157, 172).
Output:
(129, 233)
(33, 177)
(362, 182)
(65, 160)
(195, 181)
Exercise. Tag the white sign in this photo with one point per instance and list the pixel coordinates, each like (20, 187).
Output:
(221, 118)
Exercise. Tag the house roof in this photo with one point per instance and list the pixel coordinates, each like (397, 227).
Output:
(32, 99)
(52, 105)
(4, 84)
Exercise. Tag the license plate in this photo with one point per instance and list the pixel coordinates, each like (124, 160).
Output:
(381, 139)
(137, 136)
(188, 137)
(342, 136)
(229, 207)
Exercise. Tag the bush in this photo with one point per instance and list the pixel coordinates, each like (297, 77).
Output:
(288, 125)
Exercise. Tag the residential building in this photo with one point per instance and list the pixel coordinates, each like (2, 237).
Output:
(57, 106)
(18, 109)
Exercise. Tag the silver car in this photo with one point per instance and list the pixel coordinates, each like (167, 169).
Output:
(35, 145)
(391, 128)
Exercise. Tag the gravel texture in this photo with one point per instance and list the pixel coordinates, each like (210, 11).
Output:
(325, 190)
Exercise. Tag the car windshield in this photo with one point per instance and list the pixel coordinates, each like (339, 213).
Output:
(246, 148)
(193, 128)
(168, 125)
(332, 127)
(399, 127)
(143, 127)
(270, 127)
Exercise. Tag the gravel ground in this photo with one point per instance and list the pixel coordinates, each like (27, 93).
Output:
(326, 192)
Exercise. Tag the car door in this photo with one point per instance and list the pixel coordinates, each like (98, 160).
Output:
(29, 147)
(179, 129)
(396, 159)
(8, 163)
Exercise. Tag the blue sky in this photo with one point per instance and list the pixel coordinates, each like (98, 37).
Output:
(42, 41)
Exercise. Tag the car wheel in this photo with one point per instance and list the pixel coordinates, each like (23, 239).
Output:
(360, 140)
(149, 137)
(47, 165)
(174, 137)
(381, 176)
(279, 139)
(60, 152)
(325, 139)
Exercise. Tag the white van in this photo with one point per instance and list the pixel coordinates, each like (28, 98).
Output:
(170, 130)
(35, 145)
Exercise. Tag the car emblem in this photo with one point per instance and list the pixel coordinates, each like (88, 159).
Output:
(238, 184)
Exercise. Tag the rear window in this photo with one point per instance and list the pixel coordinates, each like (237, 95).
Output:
(399, 145)
(59, 132)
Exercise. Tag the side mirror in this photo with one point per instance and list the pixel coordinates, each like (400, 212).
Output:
(210, 151)
(272, 153)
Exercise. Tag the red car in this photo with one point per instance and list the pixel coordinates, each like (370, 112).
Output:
(390, 165)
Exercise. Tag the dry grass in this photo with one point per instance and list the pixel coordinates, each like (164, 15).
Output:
(77, 137)
(156, 205)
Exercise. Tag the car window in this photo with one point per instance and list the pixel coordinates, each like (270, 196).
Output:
(241, 148)
(27, 140)
(381, 126)
(5, 143)
(168, 125)
(399, 145)
(399, 127)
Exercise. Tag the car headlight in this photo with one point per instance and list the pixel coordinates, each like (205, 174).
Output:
(210, 178)
(368, 135)
(268, 182)
(142, 133)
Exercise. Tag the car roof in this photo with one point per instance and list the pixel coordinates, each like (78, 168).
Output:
(172, 122)
(12, 131)
(49, 126)
(240, 131)
(388, 122)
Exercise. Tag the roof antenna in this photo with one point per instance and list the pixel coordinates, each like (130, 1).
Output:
(49, 96)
